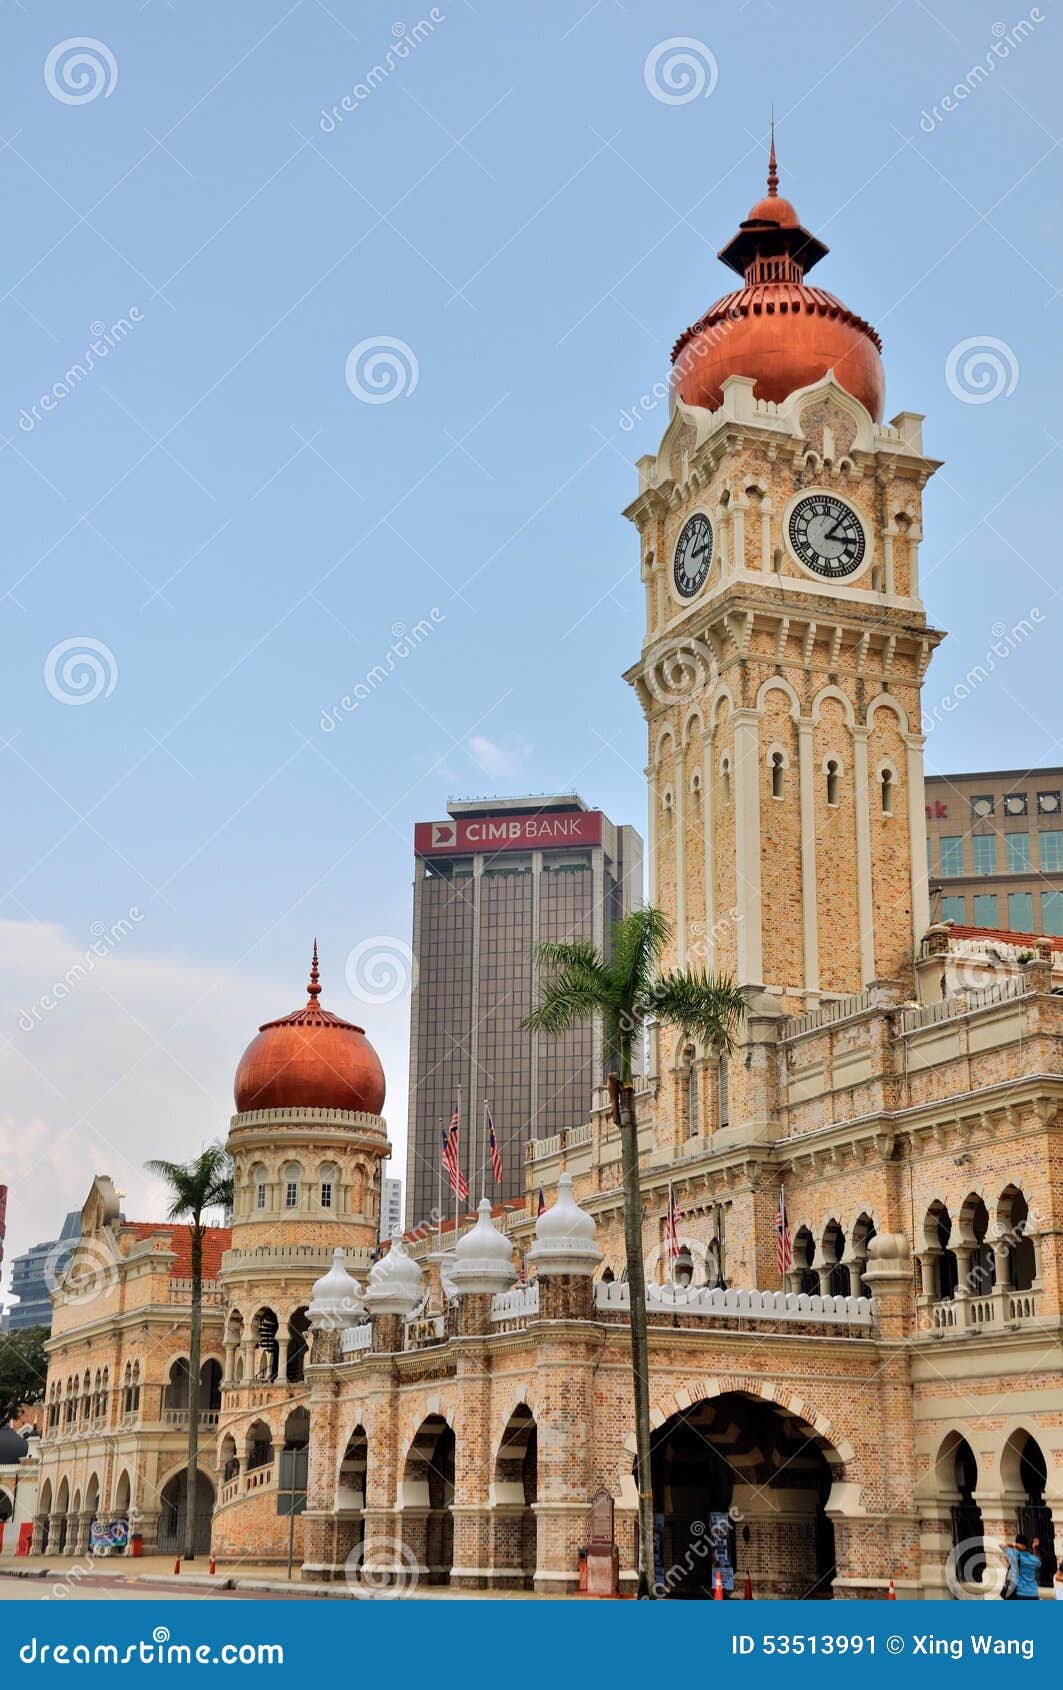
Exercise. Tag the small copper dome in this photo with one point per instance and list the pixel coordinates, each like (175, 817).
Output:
(310, 1059)
(783, 333)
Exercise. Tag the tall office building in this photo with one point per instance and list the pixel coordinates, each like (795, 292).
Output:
(995, 849)
(390, 1206)
(493, 880)
(34, 1274)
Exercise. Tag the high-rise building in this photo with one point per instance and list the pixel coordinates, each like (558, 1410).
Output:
(493, 881)
(995, 849)
(390, 1206)
(34, 1275)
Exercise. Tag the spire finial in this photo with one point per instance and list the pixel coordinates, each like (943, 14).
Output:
(773, 169)
(314, 987)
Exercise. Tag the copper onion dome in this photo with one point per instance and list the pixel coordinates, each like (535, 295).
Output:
(774, 328)
(310, 1059)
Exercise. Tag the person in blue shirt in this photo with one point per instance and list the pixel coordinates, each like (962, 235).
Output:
(1024, 1564)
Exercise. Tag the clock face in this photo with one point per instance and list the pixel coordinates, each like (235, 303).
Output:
(693, 555)
(827, 536)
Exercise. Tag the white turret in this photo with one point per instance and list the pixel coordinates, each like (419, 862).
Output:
(395, 1282)
(565, 1237)
(336, 1299)
(483, 1259)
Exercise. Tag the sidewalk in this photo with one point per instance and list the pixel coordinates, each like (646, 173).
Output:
(67, 1575)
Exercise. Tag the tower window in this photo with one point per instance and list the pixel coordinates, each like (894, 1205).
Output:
(291, 1194)
(326, 1194)
(832, 782)
(723, 1103)
(260, 1195)
(777, 767)
(690, 1076)
(887, 792)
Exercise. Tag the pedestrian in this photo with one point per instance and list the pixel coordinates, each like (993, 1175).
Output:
(1024, 1564)
(1057, 1582)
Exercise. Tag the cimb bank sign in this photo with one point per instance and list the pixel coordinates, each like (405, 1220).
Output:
(546, 831)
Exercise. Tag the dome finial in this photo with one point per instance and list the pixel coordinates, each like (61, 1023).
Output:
(314, 988)
(773, 168)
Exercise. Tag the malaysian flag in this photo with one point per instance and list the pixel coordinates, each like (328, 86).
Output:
(496, 1154)
(457, 1179)
(671, 1227)
(782, 1233)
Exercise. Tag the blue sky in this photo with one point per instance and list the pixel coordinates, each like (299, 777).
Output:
(241, 533)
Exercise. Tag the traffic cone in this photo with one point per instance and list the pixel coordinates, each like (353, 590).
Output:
(747, 1589)
(891, 1594)
(213, 1565)
(717, 1594)
(177, 1564)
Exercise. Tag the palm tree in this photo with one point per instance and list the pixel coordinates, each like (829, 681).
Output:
(624, 992)
(204, 1183)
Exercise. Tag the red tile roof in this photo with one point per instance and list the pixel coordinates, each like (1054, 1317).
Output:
(215, 1240)
(1025, 941)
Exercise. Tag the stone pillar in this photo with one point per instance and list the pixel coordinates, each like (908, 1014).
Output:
(469, 1316)
(387, 1334)
(747, 844)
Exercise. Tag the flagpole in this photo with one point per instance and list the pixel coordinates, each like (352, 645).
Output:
(457, 1174)
(783, 1230)
(483, 1151)
(439, 1191)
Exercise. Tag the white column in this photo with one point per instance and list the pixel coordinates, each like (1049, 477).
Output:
(887, 559)
(765, 536)
(917, 838)
(809, 911)
(864, 903)
(709, 876)
(738, 533)
(747, 846)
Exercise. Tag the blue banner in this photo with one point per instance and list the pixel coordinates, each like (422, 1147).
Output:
(816, 1644)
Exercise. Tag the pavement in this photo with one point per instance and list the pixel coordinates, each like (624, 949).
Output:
(41, 1578)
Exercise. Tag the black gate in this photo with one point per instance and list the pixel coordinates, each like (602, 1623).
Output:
(967, 1537)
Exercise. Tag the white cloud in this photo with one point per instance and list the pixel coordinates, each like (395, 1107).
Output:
(135, 1059)
(501, 762)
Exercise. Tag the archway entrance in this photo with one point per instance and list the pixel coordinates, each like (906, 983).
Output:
(172, 1501)
(739, 1484)
(515, 1491)
(428, 1496)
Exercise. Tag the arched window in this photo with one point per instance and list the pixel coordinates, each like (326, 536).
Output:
(1014, 1214)
(725, 779)
(804, 1251)
(690, 1090)
(290, 1181)
(723, 1103)
(937, 1230)
(839, 1283)
(260, 1180)
(328, 1182)
(833, 777)
(886, 790)
(778, 765)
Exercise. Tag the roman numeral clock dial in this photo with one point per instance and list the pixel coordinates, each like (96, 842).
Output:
(693, 555)
(827, 536)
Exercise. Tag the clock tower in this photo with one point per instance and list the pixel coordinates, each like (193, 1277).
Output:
(786, 641)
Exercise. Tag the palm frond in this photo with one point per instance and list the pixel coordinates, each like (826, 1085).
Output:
(203, 1183)
(638, 942)
(706, 1006)
(575, 986)
(570, 953)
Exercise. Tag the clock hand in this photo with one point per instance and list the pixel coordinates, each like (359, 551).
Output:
(701, 550)
(833, 534)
